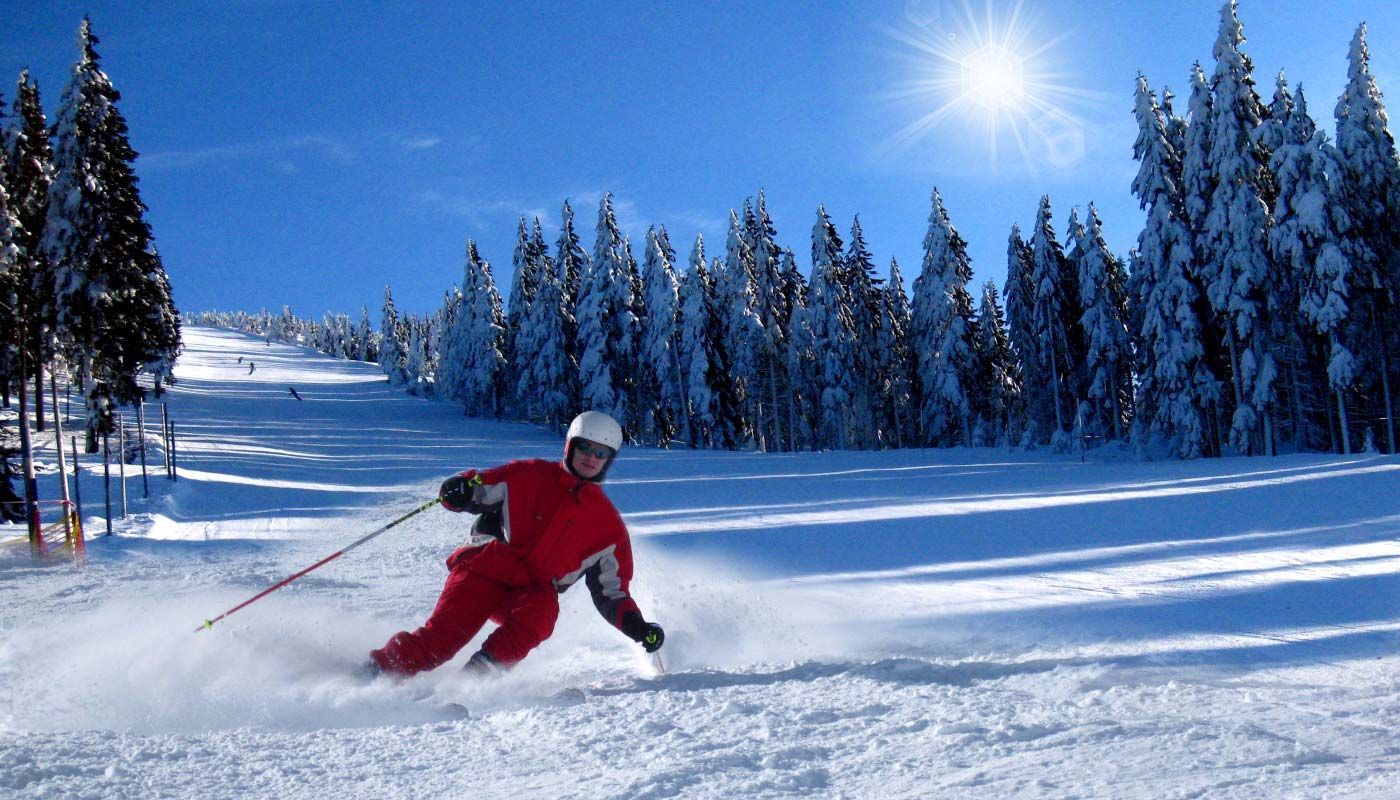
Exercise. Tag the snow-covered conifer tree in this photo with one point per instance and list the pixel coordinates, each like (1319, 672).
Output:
(1236, 264)
(1295, 349)
(366, 348)
(1372, 188)
(549, 372)
(736, 303)
(571, 261)
(607, 328)
(1019, 294)
(27, 176)
(697, 350)
(1053, 344)
(523, 285)
(797, 356)
(1176, 386)
(895, 367)
(830, 316)
(999, 378)
(1312, 240)
(863, 288)
(661, 407)
(1198, 179)
(1101, 290)
(473, 359)
(11, 313)
(730, 428)
(1271, 132)
(393, 350)
(1174, 126)
(944, 332)
(416, 372)
(159, 326)
(773, 309)
(100, 245)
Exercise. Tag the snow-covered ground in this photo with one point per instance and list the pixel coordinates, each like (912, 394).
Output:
(932, 624)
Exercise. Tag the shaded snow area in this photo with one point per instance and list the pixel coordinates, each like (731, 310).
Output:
(930, 624)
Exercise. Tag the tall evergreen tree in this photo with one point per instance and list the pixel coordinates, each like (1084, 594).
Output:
(393, 350)
(773, 308)
(607, 327)
(999, 379)
(944, 332)
(570, 258)
(11, 313)
(1101, 291)
(1236, 265)
(1313, 239)
(1174, 127)
(829, 306)
(1176, 386)
(28, 173)
(473, 357)
(864, 289)
(896, 366)
(797, 356)
(1020, 323)
(523, 287)
(100, 245)
(160, 323)
(418, 374)
(548, 377)
(736, 303)
(1198, 179)
(1056, 369)
(365, 347)
(1372, 189)
(661, 406)
(698, 359)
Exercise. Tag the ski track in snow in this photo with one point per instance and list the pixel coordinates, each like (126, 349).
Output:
(931, 624)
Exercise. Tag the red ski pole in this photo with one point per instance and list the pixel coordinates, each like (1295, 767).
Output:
(209, 623)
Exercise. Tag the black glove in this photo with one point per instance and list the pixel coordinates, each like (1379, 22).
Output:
(648, 634)
(458, 493)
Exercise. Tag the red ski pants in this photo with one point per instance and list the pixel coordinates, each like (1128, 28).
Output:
(526, 617)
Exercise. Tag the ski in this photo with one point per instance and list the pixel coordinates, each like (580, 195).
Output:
(453, 710)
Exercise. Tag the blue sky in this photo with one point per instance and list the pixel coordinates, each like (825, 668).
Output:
(308, 153)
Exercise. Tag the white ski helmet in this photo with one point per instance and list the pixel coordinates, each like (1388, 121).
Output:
(595, 426)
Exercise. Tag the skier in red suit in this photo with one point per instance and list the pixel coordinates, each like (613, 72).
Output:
(541, 527)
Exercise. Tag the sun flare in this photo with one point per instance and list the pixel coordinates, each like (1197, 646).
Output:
(988, 74)
(993, 78)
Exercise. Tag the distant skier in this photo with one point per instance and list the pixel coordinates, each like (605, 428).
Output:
(251, 366)
(293, 390)
(542, 526)
(240, 359)
(11, 504)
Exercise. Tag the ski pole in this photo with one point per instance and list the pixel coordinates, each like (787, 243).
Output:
(209, 623)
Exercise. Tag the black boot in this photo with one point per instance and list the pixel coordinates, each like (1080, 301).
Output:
(482, 665)
(367, 671)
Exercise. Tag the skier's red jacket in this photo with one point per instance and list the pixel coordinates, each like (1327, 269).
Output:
(550, 528)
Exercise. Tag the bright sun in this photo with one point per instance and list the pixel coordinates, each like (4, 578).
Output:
(993, 78)
(987, 72)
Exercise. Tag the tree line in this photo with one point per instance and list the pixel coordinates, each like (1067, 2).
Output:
(82, 286)
(1256, 313)
(1263, 285)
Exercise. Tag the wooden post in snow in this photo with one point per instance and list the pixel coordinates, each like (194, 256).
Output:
(141, 429)
(121, 458)
(107, 478)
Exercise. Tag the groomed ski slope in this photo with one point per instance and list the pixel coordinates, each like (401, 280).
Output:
(923, 624)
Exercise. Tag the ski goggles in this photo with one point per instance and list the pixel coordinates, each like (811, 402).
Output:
(594, 449)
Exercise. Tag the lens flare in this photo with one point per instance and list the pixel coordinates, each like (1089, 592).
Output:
(993, 78)
(989, 75)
